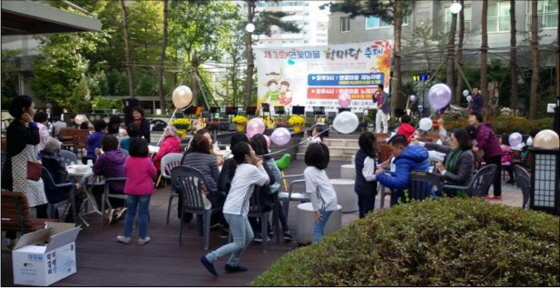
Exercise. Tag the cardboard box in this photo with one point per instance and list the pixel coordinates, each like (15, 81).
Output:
(46, 256)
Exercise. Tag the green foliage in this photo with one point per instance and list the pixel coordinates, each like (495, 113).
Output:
(265, 20)
(9, 76)
(445, 242)
(509, 124)
(382, 9)
(106, 103)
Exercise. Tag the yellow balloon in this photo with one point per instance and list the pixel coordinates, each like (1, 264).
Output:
(182, 97)
(546, 139)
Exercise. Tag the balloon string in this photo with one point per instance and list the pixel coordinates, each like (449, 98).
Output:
(168, 125)
(296, 145)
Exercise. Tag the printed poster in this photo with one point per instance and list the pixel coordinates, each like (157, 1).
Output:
(333, 76)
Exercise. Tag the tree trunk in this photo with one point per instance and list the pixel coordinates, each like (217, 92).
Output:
(513, 58)
(161, 68)
(127, 50)
(459, 57)
(450, 55)
(250, 64)
(535, 59)
(484, 55)
(558, 60)
(194, 81)
(397, 101)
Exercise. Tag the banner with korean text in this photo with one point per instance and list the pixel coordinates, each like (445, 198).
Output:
(333, 76)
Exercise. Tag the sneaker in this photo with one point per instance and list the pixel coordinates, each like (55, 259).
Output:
(145, 240)
(287, 236)
(120, 213)
(259, 238)
(233, 269)
(224, 233)
(122, 239)
(110, 215)
(209, 266)
(493, 198)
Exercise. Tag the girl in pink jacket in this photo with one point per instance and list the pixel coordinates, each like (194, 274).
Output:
(139, 187)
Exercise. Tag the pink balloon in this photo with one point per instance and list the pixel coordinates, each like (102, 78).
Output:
(344, 100)
(267, 140)
(255, 126)
(281, 136)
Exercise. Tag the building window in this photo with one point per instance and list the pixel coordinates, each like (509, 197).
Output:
(468, 17)
(498, 16)
(344, 24)
(373, 22)
(547, 13)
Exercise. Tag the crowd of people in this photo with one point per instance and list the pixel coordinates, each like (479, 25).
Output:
(249, 169)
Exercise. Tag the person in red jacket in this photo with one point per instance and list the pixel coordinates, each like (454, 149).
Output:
(170, 144)
(406, 129)
(139, 187)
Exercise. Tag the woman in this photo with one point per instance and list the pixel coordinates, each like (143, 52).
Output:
(22, 139)
(458, 165)
(214, 150)
(170, 144)
(138, 116)
(41, 120)
(51, 159)
(111, 164)
(199, 156)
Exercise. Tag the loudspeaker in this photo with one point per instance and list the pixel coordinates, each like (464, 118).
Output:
(399, 112)
(128, 105)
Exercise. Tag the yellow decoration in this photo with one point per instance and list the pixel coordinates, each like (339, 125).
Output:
(297, 128)
(240, 127)
(240, 120)
(183, 123)
(182, 133)
(296, 121)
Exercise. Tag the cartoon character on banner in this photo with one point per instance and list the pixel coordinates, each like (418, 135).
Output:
(285, 96)
(271, 83)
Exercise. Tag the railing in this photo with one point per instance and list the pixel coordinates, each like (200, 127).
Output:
(498, 24)
(546, 20)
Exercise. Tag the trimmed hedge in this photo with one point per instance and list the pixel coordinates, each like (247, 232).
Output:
(444, 242)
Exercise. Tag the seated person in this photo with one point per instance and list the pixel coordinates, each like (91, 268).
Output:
(458, 165)
(110, 164)
(170, 144)
(407, 159)
(133, 130)
(406, 129)
(54, 163)
(84, 125)
(199, 156)
(94, 140)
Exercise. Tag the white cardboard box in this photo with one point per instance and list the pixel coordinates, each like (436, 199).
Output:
(46, 256)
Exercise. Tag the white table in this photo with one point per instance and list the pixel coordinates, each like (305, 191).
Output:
(345, 194)
(348, 171)
(80, 177)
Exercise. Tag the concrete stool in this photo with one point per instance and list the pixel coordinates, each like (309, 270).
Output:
(345, 194)
(348, 171)
(306, 220)
(354, 159)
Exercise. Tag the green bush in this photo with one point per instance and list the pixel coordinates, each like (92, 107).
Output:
(445, 242)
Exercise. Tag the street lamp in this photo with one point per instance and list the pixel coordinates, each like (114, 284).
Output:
(250, 27)
(455, 8)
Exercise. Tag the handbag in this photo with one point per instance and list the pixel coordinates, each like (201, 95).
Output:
(34, 170)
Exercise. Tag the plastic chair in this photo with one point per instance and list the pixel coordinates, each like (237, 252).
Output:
(69, 157)
(256, 210)
(286, 197)
(480, 183)
(283, 163)
(168, 162)
(107, 195)
(189, 181)
(58, 194)
(523, 179)
(421, 184)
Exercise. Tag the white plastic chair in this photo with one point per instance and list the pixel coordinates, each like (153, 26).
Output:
(168, 162)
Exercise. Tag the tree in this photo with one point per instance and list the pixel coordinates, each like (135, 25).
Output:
(535, 59)
(450, 57)
(389, 11)
(127, 50)
(9, 76)
(263, 21)
(162, 57)
(513, 57)
(459, 56)
(484, 54)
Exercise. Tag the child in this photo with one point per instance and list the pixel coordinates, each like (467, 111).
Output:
(406, 129)
(249, 172)
(507, 157)
(133, 131)
(316, 135)
(139, 187)
(366, 164)
(319, 187)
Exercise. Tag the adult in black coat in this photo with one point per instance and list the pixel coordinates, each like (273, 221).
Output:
(138, 117)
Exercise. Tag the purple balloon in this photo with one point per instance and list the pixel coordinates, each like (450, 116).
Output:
(439, 96)
(281, 136)
(514, 139)
(255, 126)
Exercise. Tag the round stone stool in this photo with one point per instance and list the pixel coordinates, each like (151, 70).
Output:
(348, 171)
(345, 194)
(354, 159)
(306, 220)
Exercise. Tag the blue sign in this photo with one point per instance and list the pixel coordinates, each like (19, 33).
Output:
(359, 79)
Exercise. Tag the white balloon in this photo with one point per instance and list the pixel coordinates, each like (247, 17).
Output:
(346, 122)
(412, 98)
(469, 98)
(182, 97)
(425, 124)
(465, 93)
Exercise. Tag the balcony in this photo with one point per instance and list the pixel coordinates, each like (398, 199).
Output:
(546, 20)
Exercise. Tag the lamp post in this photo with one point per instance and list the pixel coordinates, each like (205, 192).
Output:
(455, 8)
(545, 185)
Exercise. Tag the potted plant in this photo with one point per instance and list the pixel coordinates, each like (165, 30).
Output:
(182, 126)
(296, 122)
(240, 121)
